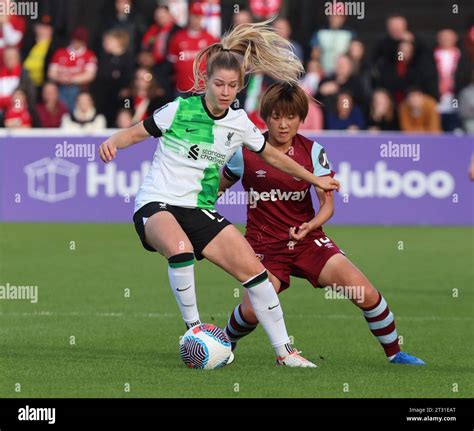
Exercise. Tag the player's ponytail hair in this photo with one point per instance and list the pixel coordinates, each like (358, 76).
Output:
(250, 48)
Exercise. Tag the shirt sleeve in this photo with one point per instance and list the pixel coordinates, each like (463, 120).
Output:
(320, 161)
(161, 120)
(234, 169)
(253, 138)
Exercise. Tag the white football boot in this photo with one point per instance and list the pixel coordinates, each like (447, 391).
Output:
(295, 360)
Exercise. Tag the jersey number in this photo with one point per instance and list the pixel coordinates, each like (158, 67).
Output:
(322, 241)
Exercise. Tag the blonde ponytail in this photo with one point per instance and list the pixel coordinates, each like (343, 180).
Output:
(250, 48)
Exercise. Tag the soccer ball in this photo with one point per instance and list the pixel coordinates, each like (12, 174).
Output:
(205, 347)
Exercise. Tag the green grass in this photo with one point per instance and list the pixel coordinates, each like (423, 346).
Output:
(134, 340)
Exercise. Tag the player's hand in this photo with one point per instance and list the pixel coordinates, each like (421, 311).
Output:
(303, 230)
(107, 151)
(327, 183)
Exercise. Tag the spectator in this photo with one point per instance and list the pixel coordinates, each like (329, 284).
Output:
(411, 68)
(156, 39)
(242, 17)
(466, 106)
(51, 109)
(73, 68)
(348, 116)
(330, 43)
(310, 82)
(468, 40)
(361, 65)
(264, 9)
(124, 119)
(12, 76)
(84, 116)
(12, 30)
(418, 113)
(185, 45)
(114, 73)
(18, 115)
(212, 21)
(342, 79)
(283, 27)
(382, 113)
(36, 59)
(449, 64)
(396, 27)
(315, 118)
(145, 96)
(124, 16)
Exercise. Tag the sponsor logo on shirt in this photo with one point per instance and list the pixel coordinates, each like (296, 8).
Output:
(274, 195)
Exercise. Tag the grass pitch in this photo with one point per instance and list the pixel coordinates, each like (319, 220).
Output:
(107, 325)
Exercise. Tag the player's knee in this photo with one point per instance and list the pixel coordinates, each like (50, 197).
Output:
(181, 259)
(370, 294)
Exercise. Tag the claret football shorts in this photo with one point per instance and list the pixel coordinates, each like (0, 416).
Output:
(304, 260)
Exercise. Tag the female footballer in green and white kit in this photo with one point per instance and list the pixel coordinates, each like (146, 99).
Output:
(174, 208)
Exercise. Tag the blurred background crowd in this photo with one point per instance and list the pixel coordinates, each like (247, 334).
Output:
(95, 64)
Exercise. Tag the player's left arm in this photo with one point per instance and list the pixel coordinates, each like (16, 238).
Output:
(326, 198)
(232, 172)
(326, 211)
(225, 184)
(286, 164)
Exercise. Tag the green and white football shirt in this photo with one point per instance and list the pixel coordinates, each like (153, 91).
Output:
(193, 147)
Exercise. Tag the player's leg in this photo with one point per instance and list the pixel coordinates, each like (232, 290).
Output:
(340, 273)
(231, 251)
(243, 319)
(165, 235)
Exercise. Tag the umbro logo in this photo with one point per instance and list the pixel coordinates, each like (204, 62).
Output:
(162, 206)
(261, 173)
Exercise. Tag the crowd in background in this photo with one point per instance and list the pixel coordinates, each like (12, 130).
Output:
(133, 66)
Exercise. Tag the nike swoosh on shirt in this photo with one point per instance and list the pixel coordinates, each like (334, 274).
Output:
(275, 306)
(191, 130)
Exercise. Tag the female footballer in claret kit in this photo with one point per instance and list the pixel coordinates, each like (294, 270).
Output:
(284, 230)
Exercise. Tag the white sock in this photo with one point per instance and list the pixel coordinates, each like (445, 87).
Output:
(267, 307)
(181, 276)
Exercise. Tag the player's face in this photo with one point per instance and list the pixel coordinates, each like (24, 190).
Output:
(283, 128)
(222, 88)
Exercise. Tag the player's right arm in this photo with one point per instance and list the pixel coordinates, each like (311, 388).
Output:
(122, 139)
(155, 126)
